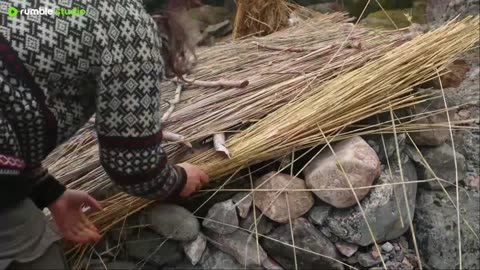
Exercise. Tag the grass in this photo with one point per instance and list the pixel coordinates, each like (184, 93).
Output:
(296, 109)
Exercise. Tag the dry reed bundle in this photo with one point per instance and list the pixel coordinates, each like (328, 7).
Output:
(260, 17)
(380, 85)
(377, 87)
(279, 67)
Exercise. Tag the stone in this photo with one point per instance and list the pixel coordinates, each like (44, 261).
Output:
(219, 260)
(243, 202)
(387, 247)
(195, 249)
(183, 265)
(403, 242)
(457, 72)
(264, 226)
(386, 147)
(174, 222)
(306, 238)
(319, 213)
(384, 208)
(270, 264)
(360, 163)
(154, 250)
(347, 249)
(222, 218)
(118, 265)
(366, 260)
(441, 161)
(241, 245)
(220, 29)
(274, 204)
(432, 136)
(436, 229)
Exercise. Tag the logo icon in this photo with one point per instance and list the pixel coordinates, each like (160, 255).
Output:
(12, 12)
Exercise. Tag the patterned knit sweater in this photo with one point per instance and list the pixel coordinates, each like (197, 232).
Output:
(56, 71)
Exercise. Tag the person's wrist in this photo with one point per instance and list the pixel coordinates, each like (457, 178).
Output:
(47, 191)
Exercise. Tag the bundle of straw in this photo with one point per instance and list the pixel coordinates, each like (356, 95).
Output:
(279, 67)
(260, 17)
(381, 85)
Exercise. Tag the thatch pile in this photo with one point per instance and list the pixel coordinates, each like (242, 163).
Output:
(279, 68)
(260, 18)
(308, 84)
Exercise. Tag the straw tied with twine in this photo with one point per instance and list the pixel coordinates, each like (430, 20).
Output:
(324, 109)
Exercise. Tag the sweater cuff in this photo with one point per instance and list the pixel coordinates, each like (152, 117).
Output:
(47, 191)
(181, 181)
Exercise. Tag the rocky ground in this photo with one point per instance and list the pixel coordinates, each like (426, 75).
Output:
(326, 229)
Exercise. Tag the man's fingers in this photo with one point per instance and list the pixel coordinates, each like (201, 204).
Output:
(88, 223)
(204, 179)
(94, 204)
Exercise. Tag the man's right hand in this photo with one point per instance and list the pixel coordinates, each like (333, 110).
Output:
(196, 179)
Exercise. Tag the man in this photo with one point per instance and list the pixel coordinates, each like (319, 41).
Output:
(48, 64)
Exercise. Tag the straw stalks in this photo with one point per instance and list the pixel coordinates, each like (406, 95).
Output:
(325, 111)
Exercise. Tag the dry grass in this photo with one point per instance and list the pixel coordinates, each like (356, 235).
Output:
(300, 94)
(260, 17)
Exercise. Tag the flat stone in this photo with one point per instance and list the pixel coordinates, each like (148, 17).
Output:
(241, 245)
(218, 260)
(152, 248)
(270, 264)
(222, 218)
(361, 164)
(174, 222)
(274, 205)
(243, 201)
(195, 249)
(441, 161)
(319, 213)
(347, 249)
(306, 238)
(264, 225)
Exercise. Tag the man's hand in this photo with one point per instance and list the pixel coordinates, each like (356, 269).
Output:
(72, 223)
(196, 178)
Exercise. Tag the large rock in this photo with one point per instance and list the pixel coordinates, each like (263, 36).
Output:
(307, 238)
(263, 225)
(274, 204)
(241, 245)
(436, 229)
(195, 249)
(361, 164)
(218, 260)
(222, 218)
(174, 222)
(432, 136)
(442, 163)
(154, 250)
(384, 208)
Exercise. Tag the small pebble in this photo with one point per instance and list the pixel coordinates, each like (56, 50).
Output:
(387, 247)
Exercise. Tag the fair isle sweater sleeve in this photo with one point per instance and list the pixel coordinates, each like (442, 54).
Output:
(128, 109)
